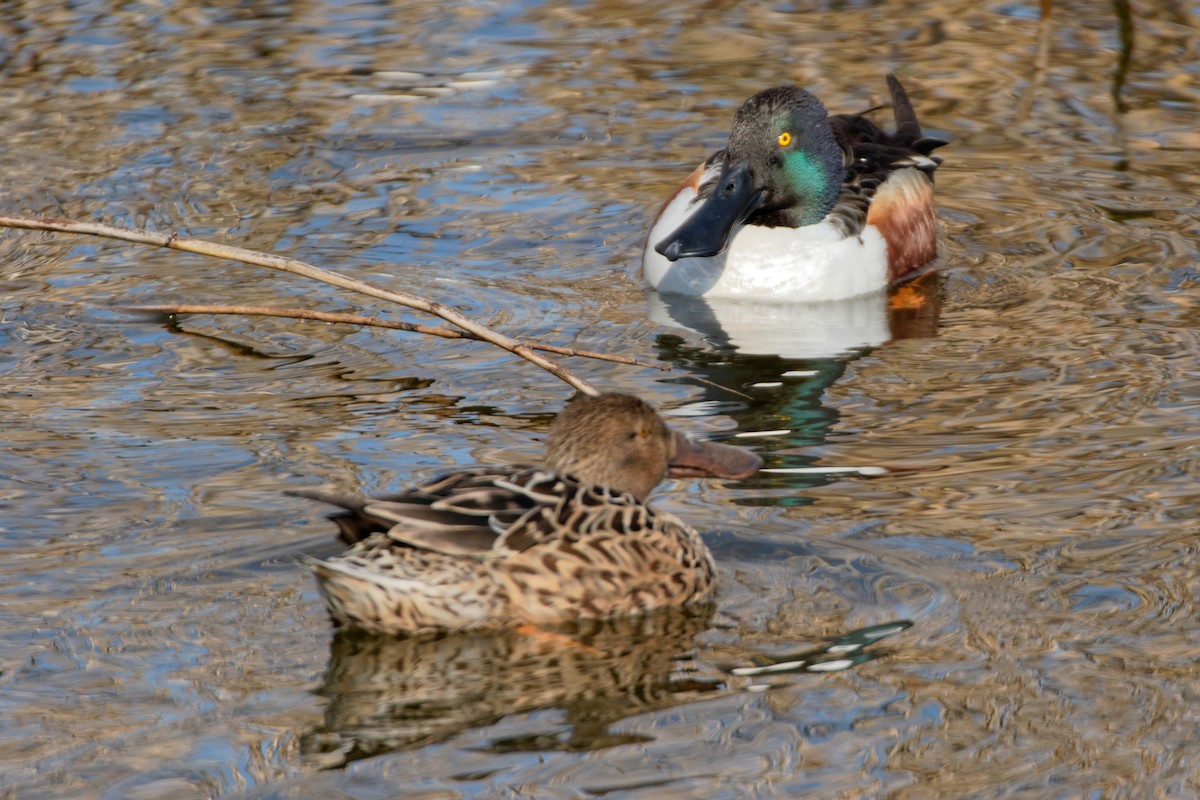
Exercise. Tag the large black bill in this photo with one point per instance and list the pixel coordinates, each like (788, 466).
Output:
(706, 232)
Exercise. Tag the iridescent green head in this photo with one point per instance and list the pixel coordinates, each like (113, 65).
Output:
(784, 136)
(782, 168)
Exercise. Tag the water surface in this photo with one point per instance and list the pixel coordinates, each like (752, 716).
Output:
(1033, 403)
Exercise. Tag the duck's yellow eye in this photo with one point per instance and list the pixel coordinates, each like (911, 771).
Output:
(785, 139)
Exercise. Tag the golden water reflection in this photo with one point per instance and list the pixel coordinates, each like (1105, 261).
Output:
(1029, 430)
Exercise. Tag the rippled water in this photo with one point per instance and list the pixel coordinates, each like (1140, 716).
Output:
(1033, 402)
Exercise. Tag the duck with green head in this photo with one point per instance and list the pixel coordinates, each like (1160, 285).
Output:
(800, 205)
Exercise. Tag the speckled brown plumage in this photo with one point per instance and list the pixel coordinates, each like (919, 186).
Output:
(493, 547)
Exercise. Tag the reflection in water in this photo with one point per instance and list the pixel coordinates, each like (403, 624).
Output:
(506, 158)
(781, 395)
(796, 331)
(784, 357)
(791, 331)
(844, 652)
(389, 693)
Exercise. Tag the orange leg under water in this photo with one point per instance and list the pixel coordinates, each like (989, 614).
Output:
(555, 640)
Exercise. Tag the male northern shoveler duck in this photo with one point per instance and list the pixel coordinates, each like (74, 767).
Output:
(496, 547)
(800, 205)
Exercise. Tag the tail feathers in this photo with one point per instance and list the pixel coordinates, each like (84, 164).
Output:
(351, 580)
(351, 597)
(355, 524)
(392, 603)
(350, 502)
(312, 562)
(906, 118)
(908, 130)
(319, 566)
(335, 568)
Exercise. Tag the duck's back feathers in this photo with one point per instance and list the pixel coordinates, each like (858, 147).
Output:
(461, 513)
(889, 183)
(419, 515)
(509, 545)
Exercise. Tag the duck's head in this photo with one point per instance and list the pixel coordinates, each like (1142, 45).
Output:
(619, 441)
(782, 167)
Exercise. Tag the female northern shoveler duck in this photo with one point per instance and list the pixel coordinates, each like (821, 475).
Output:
(800, 205)
(495, 547)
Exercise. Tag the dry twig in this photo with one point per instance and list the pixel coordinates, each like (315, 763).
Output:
(270, 261)
(376, 322)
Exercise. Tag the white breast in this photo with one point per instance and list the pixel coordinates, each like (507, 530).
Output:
(806, 264)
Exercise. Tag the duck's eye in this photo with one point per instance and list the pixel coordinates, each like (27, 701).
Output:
(784, 139)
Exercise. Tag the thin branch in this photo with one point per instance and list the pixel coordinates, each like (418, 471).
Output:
(376, 322)
(270, 261)
(1041, 63)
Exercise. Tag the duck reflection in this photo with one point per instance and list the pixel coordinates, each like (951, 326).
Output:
(797, 331)
(782, 357)
(389, 693)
